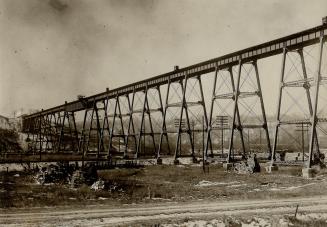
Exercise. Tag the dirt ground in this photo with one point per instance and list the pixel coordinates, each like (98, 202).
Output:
(196, 196)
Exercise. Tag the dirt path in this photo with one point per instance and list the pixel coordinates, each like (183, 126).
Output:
(104, 216)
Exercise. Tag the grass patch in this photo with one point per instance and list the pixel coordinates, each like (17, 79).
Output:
(306, 223)
(160, 183)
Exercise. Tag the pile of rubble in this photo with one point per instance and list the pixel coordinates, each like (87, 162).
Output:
(54, 173)
(251, 165)
(318, 162)
(88, 175)
(319, 159)
(98, 185)
(64, 173)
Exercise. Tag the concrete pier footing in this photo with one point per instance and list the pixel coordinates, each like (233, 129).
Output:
(308, 173)
(159, 161)
(228, 166)
(271, 168)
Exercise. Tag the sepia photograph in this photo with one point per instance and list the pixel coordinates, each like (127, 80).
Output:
(163, 113)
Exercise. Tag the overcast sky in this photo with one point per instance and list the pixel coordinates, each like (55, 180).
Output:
(53, 50)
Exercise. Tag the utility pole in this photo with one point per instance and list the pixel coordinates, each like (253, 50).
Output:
(119, 141)
(193, 123)
(183, 127)
(222, 124)
(302, 128)
(144, 140)
(260, 140)
(203, 147)
(249, 140)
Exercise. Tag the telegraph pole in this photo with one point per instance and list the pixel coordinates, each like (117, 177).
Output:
(302, 128)
(222, 123)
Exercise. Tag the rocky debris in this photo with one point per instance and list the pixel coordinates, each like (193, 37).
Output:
(98, 185)
(319, 160)
(54, 173)
(77, 179)
(251, 165)
(48, 174)
(90, 174)
(64, 173)
(86, 176)
(113, 186)
(242, 168)
(232, 221)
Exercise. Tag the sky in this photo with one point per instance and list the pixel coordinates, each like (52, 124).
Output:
(53, 50)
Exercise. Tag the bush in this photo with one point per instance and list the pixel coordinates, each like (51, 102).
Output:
(9, 140)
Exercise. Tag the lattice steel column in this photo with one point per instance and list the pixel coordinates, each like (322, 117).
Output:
(314, 117)
(121, 132)
(202, 103)
(279, 102)
(247, 94)
(213, 98)
(113, 125)
(235, 112)
(145, 110)
(105, 131)
(47, 142)
(221, 97)
(61, 120)
(231, 145)
(67, 132)
(188, 130)
(304, 82)
(263, 112)
(82, 140)
(94, 128)
(40, 136)
(163, 127)
(131, 128)
(306, 85)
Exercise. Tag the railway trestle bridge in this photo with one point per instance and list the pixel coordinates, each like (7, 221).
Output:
(169, 116)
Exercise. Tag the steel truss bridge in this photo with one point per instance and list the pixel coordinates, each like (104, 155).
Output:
(133, 121)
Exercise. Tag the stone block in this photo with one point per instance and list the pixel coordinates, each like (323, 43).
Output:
(271, 168)
(308, 172)
(228, 166)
